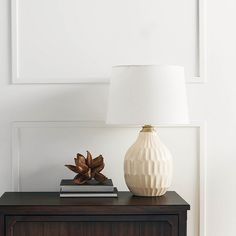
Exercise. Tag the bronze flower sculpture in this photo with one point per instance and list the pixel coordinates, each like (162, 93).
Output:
(88, 168)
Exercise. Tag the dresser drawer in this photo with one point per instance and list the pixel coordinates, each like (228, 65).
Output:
(99, 225)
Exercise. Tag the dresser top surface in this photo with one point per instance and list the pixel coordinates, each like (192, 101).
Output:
(171, 198)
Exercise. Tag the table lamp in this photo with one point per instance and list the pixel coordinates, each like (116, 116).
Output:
(147, 95)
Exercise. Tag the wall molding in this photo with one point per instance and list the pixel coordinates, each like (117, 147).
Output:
(202, 44)
(16, 79)
(201, 126)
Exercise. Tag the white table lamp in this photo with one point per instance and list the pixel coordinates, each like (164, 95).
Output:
(147, 95)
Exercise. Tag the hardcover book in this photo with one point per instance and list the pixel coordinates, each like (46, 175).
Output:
(67, 185)
(90, 194)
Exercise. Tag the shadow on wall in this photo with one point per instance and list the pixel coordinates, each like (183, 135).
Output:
(58, 103)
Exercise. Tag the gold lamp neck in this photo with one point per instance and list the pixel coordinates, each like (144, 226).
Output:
(148, 128)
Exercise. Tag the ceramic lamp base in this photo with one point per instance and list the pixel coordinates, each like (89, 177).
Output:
(148, 165)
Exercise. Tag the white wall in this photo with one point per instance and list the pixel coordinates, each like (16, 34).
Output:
(213, 102)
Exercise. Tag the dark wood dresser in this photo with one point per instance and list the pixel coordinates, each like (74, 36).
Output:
(46, 214)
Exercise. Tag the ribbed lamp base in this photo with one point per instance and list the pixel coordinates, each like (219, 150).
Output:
(148, 166)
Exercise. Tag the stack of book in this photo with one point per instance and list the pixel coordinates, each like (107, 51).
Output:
(90, 189)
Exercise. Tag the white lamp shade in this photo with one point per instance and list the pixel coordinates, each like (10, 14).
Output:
(147, 94)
